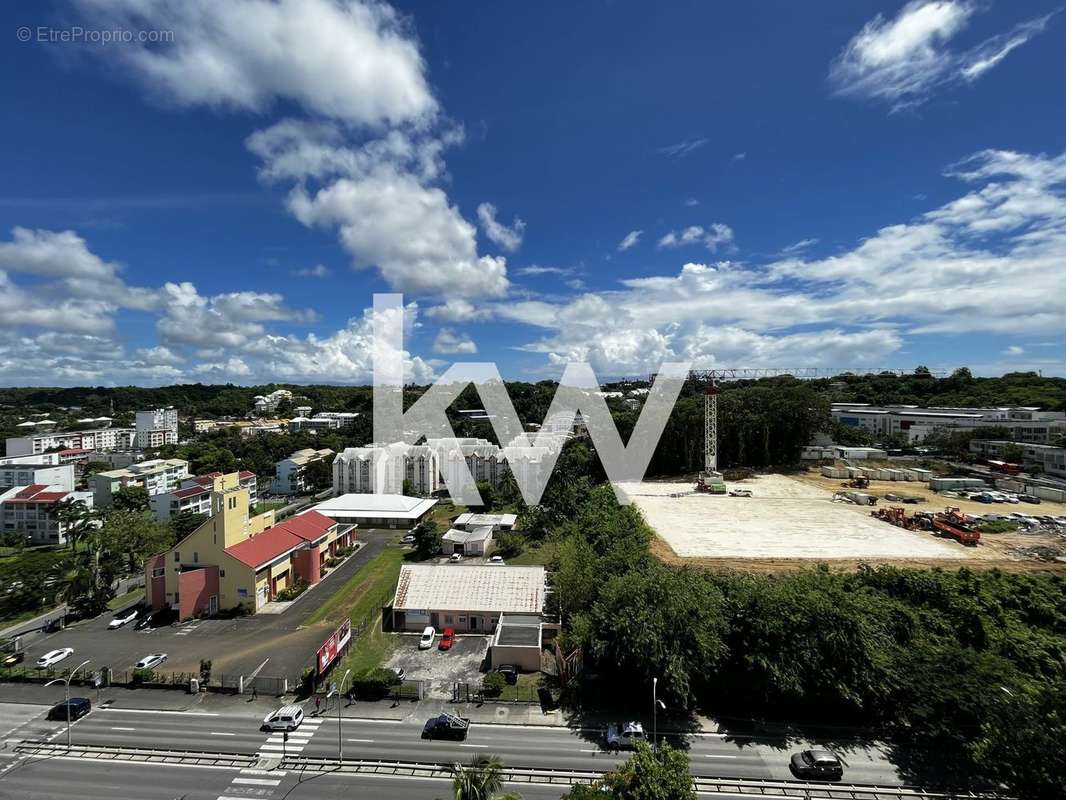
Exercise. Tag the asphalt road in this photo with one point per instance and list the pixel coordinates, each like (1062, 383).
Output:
(519, 746)
(235, 647)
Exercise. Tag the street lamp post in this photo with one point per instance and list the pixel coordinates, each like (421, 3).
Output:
(656, 704)
(66, 693)
(340, 740)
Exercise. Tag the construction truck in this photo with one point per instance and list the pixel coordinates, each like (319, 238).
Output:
(956, 525)
(710, 484)
(858, 482)
(895, 515)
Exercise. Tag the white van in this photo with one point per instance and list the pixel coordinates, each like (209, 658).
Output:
(286, 718)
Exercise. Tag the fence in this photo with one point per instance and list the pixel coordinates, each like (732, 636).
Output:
(268, 685)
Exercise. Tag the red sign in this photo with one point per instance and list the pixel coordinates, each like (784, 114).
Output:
(333, 646)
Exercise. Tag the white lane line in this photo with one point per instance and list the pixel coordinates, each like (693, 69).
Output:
(153, 711)
(708, 755)
(114, 728)
(222, 733)
(363, 741)
(256, 782)
(254, 771)
(473, 745)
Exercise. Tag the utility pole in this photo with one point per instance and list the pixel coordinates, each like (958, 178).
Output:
(340, 739)
(655, 705)
(66, 693)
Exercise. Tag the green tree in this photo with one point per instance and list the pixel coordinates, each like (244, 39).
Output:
(77, 518)
(427, 539)
(509, 543)
(1013, 453)
(646, 775)
(318, 475)
(185, 522)
(135, 535)
(481, 779)
(130, 498)
(489, 498)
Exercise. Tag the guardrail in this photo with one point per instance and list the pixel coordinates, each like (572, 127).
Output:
(801, 790)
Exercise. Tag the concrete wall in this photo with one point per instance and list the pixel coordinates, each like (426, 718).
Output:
(196, 587)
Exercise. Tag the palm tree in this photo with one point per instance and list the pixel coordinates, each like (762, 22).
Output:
(481, 780)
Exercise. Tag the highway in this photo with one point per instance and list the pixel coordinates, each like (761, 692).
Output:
(534, 746)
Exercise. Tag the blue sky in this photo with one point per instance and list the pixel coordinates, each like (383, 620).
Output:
(763, 184)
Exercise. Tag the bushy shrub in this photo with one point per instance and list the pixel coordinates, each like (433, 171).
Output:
(375, 684)
(492, 684)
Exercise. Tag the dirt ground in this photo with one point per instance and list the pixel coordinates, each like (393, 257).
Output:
(791, 523)
(441, 669)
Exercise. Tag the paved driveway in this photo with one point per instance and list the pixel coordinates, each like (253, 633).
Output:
(440, 669)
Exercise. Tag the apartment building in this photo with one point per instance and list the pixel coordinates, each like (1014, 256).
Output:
(31, 510)
(268, 404)
(157, 428)
(1024, 424)
(194, 494)
(290, 473)
(157, 476)
(234, 559)
(322, 421)
(99, 439)
(37, 472)
(382, 469)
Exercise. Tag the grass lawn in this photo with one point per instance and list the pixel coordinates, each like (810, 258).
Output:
(533, 556)
(525, 689)
(364, 590)
(266, 505)
(444, 513)
(125, 599)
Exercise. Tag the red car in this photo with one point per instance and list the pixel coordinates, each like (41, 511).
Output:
(447, 639)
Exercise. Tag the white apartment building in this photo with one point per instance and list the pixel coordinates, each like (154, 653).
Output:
(323, 421)
(157, 476)
(382, 469)
(157, 427)
(1024, 424)
(30, 510)
(37, 473)
(289, 473)
(101, 439)
(194, 494)
(268, 404)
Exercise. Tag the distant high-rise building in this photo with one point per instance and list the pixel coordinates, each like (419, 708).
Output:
(157, 428)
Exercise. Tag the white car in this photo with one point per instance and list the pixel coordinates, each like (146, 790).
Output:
(497, 560)
(151, 661)
(286, 718)
(456, 557)
(122, 618)
(408, 539)
(425, 641)
(53, 657)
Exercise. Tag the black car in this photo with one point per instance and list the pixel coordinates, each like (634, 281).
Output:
(509, 672)
(817, 764)
(446, 726)
(79, 707)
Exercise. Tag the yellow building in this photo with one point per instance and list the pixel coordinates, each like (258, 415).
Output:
(234, 559)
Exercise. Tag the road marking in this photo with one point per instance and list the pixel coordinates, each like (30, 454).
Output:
(392, 721)
(291, 748)
(363, 741)
(707, 755)
(256, 781)
(222, 733)
(473, 745)
(153, 711)
(122, 729)
(254, 771)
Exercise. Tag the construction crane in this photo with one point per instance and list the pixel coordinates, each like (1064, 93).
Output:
(710, 479)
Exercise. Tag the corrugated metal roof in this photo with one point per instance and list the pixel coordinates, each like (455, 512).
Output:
(459, 587)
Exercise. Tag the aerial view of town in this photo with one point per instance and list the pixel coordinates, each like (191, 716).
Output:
(488, 401)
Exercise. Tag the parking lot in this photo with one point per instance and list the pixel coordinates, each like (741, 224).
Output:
(441, 669)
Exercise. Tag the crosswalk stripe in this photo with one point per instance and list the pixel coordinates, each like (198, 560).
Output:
(256, 781)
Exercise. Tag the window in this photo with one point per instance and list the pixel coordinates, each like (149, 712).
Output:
(177, 556)
(222, 573)
(195, 556)
(176, 600)
(158, 572)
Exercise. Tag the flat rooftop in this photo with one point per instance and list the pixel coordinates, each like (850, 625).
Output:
(456, 587)
(378, 506)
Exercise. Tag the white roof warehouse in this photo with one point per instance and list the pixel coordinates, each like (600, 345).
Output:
(465, 597)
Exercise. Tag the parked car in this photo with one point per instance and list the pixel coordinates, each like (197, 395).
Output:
(497, 560)
(509, 672)
(151, 661)
(76, 707)
(401, 673)
(446, 726)
(456, 557)
(447, 639)
(11, 659)
(122, 618)
(408, 539)
(425, 641)
(53, 657)
(286, 718)
(740, 492)
(818, 764)
(624, 736)
(1029, 498)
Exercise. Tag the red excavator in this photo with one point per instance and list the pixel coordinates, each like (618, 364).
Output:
(952, 522)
